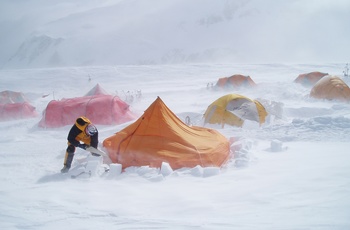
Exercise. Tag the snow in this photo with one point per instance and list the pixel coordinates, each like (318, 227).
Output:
(291, 173)
(38, 33)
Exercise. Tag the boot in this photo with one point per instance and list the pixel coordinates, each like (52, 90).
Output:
(67, 162)
(65, 169)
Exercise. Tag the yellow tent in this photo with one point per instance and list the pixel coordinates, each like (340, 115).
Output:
(233, 109)
(331, 88)
(159, 136)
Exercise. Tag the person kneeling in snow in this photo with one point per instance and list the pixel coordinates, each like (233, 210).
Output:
(82, 131)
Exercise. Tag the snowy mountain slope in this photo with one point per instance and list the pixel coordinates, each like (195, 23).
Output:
(129, 32)
(165, 32)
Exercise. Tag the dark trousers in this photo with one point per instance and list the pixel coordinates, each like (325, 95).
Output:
(69, 155)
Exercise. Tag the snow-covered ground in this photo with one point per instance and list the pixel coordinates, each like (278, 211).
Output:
(304, 184)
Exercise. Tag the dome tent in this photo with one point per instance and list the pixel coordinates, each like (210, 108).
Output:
(233, 109)
(309, 79)
(235, 81)
(159, 136)
(331, 88)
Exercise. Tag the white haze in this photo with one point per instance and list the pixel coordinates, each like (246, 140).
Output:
(302, 184)
(175, 49)
(39, 33)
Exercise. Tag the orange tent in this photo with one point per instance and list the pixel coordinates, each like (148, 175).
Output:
(235, 81)
(309, 79)
(160, 136)
(100, 109)
(331, 88)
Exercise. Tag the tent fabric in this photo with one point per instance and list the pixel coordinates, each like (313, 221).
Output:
(14, 106)
(160, 136)
(100, 109)
(331, 88)
(233, 109)
(97, 90)
(310, 79)
(235, 81)
(8, 96)
(16, 111)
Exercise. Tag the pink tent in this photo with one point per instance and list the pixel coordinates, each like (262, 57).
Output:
(8, 96)
(15, 111)
(97, 90)
(14, 106)
(100, 109)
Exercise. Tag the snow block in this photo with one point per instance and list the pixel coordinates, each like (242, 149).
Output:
(145, 171)
(166, 169)
(211, 171)
(197, 171)
(76, 171)
(99, 159)
(276, 146)
(115, 170)
(93, 165)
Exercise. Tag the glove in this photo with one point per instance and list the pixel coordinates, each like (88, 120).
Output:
(82, 146)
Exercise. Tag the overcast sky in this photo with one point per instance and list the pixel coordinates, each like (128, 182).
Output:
(262, 31)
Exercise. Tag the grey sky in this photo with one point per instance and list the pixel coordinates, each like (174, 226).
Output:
(262, 31)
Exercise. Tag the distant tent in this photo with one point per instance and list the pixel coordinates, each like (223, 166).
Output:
(233, 109)
(14, 106)
(97, 90)
(8, 96)
(331, 88)
(16, 111)
(100, 109)
(235, 81)
(309, 79)
(159, 136)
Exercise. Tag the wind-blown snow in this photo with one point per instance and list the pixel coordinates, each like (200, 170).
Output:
(291, 173)
(37, 33)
